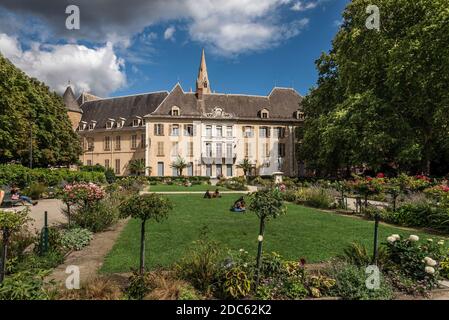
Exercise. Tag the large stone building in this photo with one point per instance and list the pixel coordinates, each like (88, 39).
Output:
(212, 132)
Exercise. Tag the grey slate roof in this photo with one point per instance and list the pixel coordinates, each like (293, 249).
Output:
(121, 107)
(281, 104)
(70, 100)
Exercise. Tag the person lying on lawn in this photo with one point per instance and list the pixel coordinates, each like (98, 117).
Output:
(15, 195)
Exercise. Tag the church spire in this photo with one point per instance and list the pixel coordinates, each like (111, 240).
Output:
(202, 83)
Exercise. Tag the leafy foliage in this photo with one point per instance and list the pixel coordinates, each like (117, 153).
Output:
(76, 238)
(246, 166)
(22, 176)
(145, 207)
(200, 264)
(267, 204)
(28, 105)
(180, 164)
(350, 284)
(25, 285)
(382, 97)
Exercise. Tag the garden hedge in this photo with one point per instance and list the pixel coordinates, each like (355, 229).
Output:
(23, 176)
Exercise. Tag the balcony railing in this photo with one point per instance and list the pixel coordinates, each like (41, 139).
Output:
(217, 158)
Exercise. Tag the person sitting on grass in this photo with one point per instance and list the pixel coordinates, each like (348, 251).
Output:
(239, 205)
(207, 195)
(15, 195)
(216, 194)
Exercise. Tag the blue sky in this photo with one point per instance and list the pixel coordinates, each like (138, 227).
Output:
(249, 51)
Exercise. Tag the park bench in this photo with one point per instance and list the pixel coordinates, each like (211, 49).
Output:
(7, 201)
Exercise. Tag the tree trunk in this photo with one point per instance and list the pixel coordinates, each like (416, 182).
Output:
(376, 233)
(142, 248)
(259, 250)
(68, 215)
(4, 254)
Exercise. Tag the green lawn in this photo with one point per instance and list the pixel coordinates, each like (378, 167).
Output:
(177, 188)
(303, 232)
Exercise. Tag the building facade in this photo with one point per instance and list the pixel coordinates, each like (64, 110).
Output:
(212, 132)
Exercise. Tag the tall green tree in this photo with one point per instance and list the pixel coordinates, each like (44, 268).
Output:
(382, 97)
(30, 114)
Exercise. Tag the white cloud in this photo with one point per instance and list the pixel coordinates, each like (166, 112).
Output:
(240, 26)
(95, 70)
(169, 33)
(301, 6)
(229, 27)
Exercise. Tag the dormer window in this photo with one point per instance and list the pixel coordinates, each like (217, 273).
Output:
(299, 115)
(92, 125)
(175, 111)
(121, 122)
(110, 124)
(136, 122)
(144, 122)
(264, 114)
(82, 126)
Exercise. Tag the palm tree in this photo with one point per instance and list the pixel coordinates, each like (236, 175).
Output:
(246, 166)
(180, 164)
(137, 167)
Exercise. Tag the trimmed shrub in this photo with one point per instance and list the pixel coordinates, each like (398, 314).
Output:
(316, 197)
(76, 238)
(351, 284)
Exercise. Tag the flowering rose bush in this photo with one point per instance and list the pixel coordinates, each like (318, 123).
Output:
(439, 193)
(366, 186)
(89, 206)
(82, 193)
(415, 260)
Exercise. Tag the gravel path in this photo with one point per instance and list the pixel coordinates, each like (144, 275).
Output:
(90, 259)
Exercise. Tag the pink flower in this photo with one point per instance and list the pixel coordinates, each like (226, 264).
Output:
(380, 175)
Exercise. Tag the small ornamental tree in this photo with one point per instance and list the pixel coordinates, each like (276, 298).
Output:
(137, 167)
(145, 207)
(266, 204)
(246, 166)
(10, 221)
(180, 164)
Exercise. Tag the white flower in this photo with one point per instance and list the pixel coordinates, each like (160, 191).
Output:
(241, 250)
(430, 240)
(441, 242)
(396, 236)
(430, 270)
(430, 262)
(391, 239)
(260, 238)
(413, 238)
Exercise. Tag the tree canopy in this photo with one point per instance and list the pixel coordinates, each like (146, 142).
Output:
(29, 109)
(382, 97)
